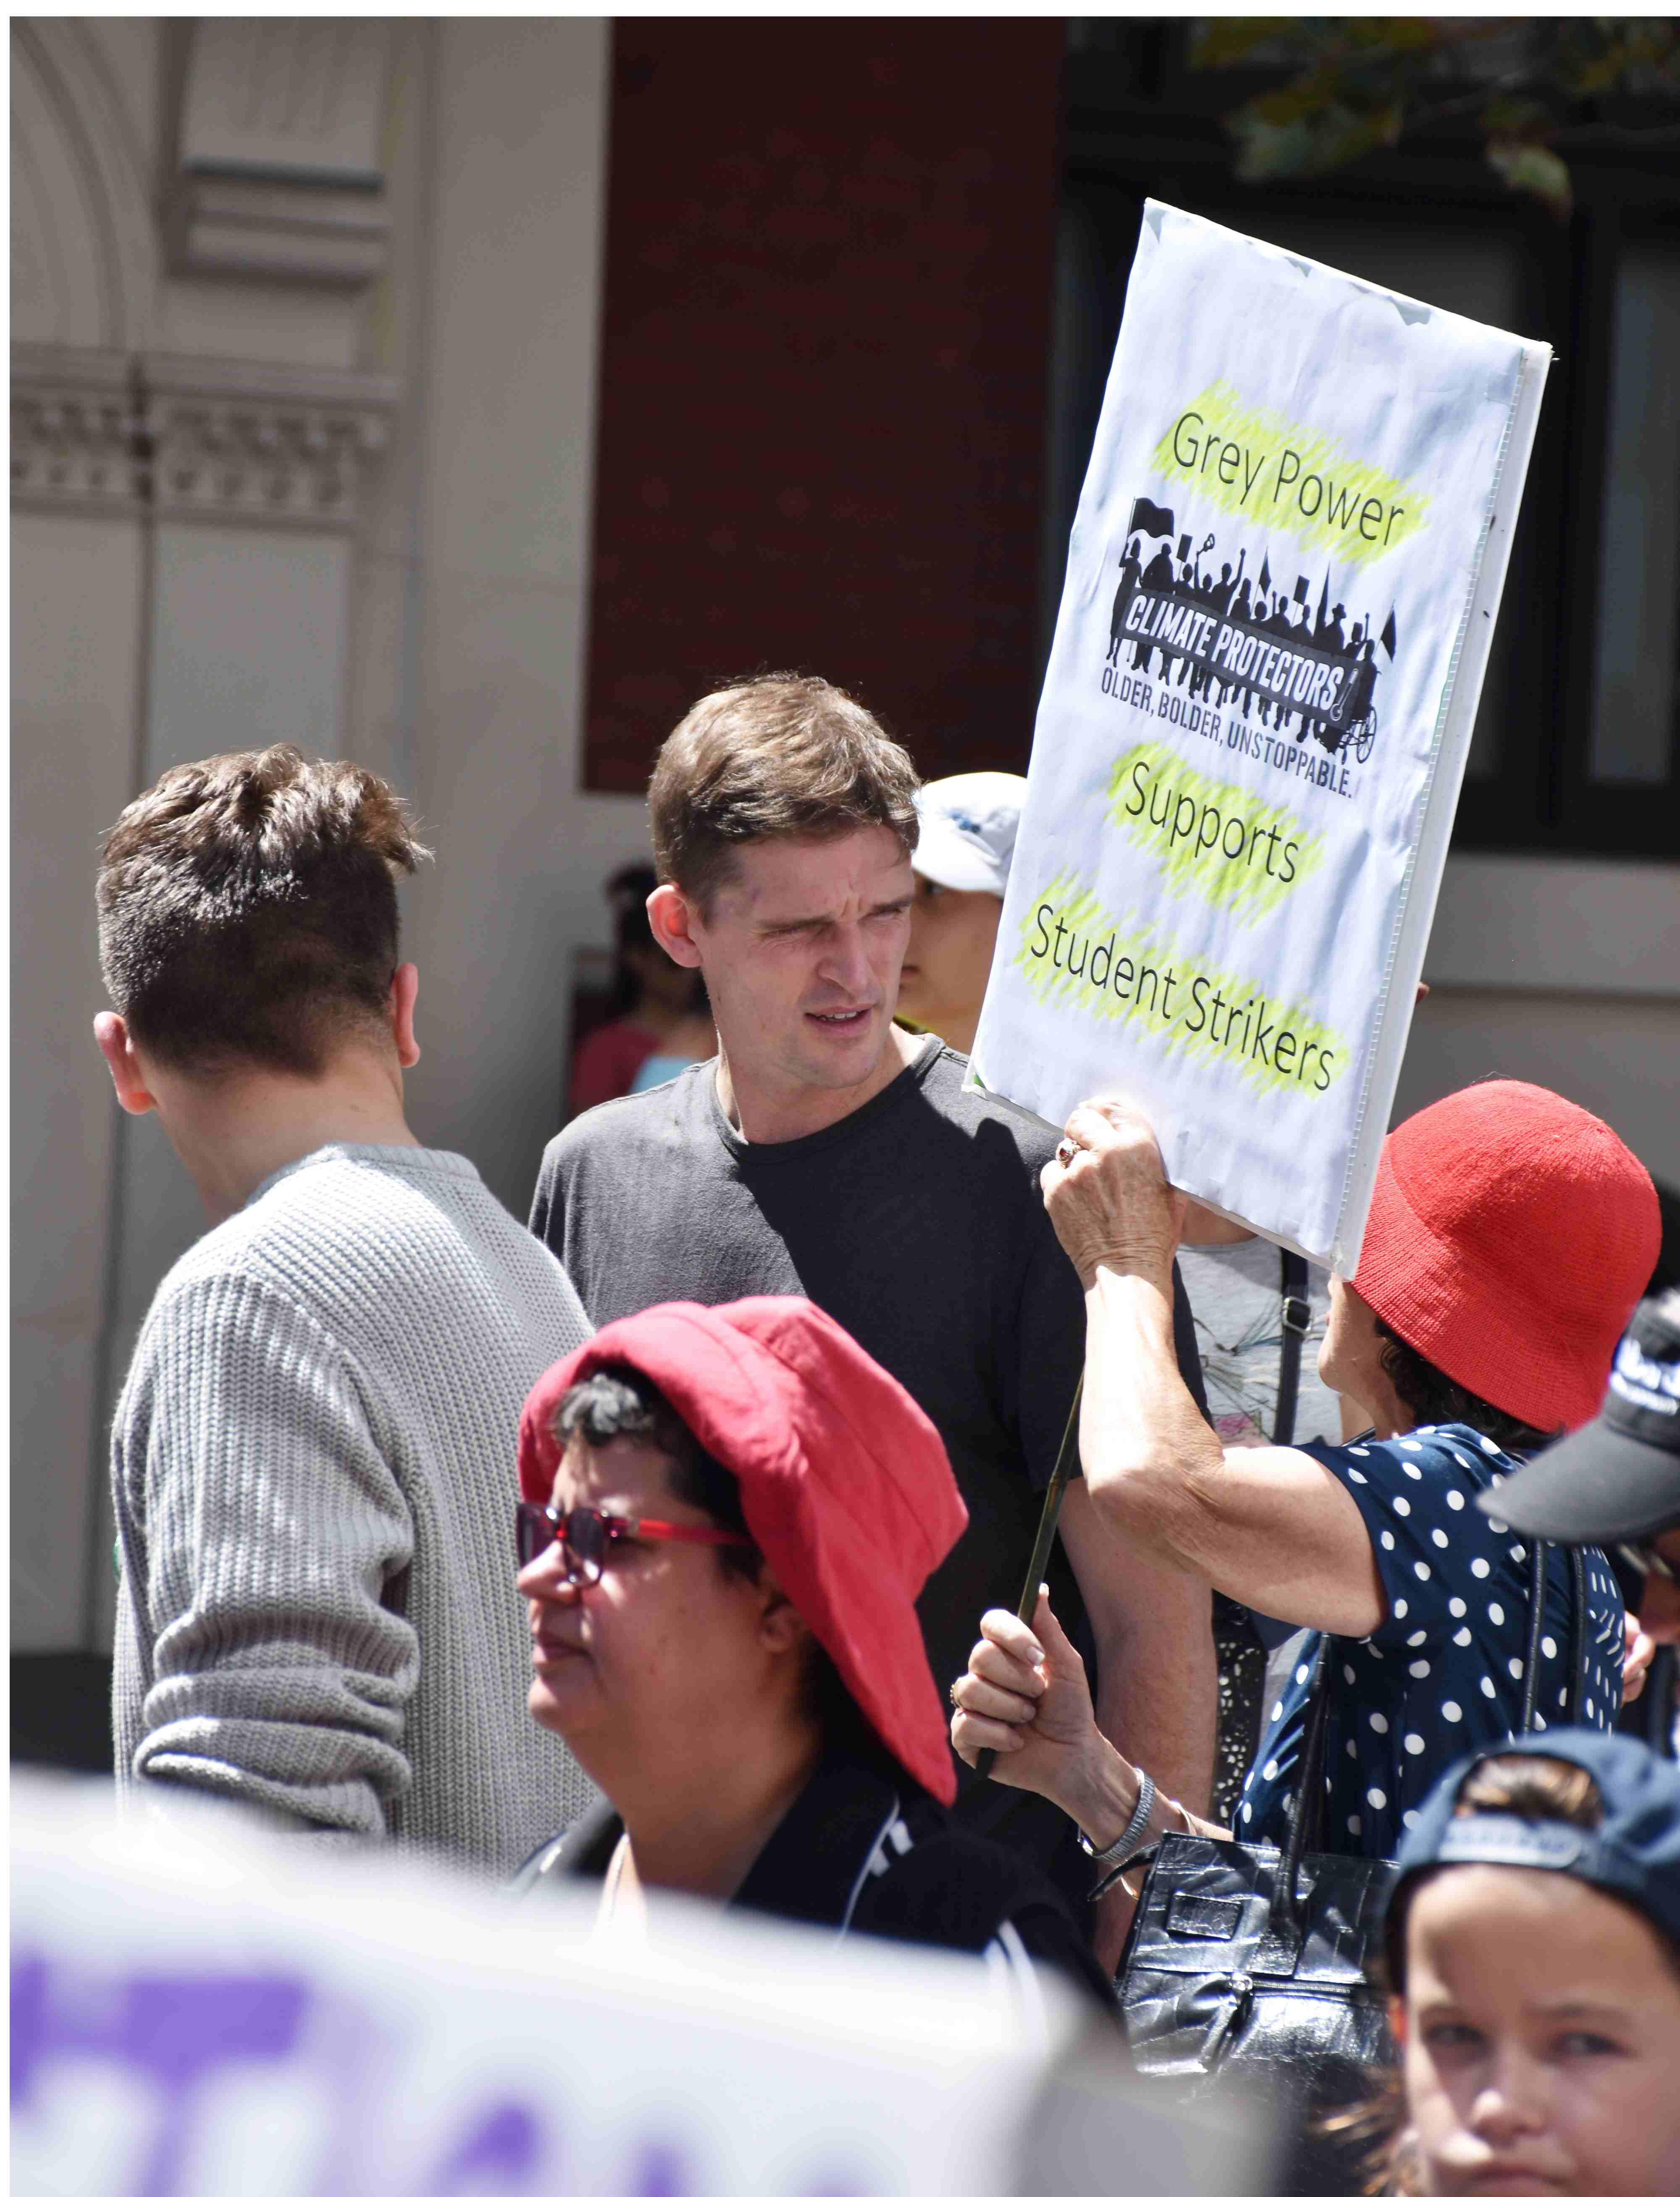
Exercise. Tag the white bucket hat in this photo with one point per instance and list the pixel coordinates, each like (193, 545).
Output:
(969, 826)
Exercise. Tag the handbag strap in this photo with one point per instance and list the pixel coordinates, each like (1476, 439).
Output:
(1536, 1618)
(1309, 1796)
(1577, 1636)
(1296, 1314)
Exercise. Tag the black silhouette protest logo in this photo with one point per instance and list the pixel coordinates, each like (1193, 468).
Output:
(1232, 639)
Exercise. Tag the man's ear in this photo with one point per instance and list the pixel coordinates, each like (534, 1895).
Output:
(110, 1035)
(673, 919)
(780, 1626)
(404, 991)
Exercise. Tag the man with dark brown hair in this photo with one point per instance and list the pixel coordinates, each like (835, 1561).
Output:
(312, 1455)
(827, 1153)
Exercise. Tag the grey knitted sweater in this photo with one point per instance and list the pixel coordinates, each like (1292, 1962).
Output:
(313, 1465)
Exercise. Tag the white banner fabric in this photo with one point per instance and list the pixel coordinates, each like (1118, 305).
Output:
(199, 2008)
(1280, 591)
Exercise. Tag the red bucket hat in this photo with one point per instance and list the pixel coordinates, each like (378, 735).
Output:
(1510, 1236)
(844, 1481)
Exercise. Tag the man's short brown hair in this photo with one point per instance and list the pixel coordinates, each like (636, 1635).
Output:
(247, 909)
(775, 757)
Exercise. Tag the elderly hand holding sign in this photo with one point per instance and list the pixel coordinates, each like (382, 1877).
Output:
(1510, 1235)
(1106, 1193)
(1155, 1468)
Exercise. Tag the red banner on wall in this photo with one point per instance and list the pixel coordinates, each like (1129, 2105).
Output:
(824, 362)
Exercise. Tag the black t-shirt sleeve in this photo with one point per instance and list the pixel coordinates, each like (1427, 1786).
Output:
(1047, 1935)
(971, 1896)
(1047, 1348)
(547, 1216)
(1050, 1348)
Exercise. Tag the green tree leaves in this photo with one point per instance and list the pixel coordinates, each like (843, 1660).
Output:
(1533, 89)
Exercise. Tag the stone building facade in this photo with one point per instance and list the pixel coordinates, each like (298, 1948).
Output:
(304, 329)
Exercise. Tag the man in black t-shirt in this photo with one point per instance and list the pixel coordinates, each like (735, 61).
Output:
(827, 1153)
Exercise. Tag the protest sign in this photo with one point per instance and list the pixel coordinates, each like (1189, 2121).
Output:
(198, 2009)
(1280, 591)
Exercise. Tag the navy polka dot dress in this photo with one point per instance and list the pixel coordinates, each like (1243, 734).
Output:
(1442, 1674)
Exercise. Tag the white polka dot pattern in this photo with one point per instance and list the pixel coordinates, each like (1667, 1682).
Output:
(1439, 1675)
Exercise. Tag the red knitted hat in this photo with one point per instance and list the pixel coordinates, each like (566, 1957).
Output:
(844, 1481)
(1510, 1236)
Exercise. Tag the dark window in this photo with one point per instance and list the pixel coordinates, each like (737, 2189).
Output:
(1575, 746)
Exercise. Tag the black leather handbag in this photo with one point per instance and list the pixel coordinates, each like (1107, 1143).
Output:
(1247, 1964)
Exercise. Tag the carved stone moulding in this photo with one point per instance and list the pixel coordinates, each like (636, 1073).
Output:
(230, 225)
(299, 97)
(75, 431)
(267, 446)
(217, 439)
(279, 161)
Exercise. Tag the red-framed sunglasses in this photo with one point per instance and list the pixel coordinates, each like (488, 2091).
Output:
(586, 1535)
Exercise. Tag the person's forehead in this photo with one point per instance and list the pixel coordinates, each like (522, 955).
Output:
(779, 880)
(623, 1470)
(1529, 1928)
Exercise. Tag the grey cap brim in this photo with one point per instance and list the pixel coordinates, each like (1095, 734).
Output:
(948, 857)
(1594, 1486)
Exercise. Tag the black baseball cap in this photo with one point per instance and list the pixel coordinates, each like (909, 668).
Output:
(1618, 1477)
(1634, 1853)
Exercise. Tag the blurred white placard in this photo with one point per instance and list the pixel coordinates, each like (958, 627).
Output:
(199, 2010)
(1281, 589)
